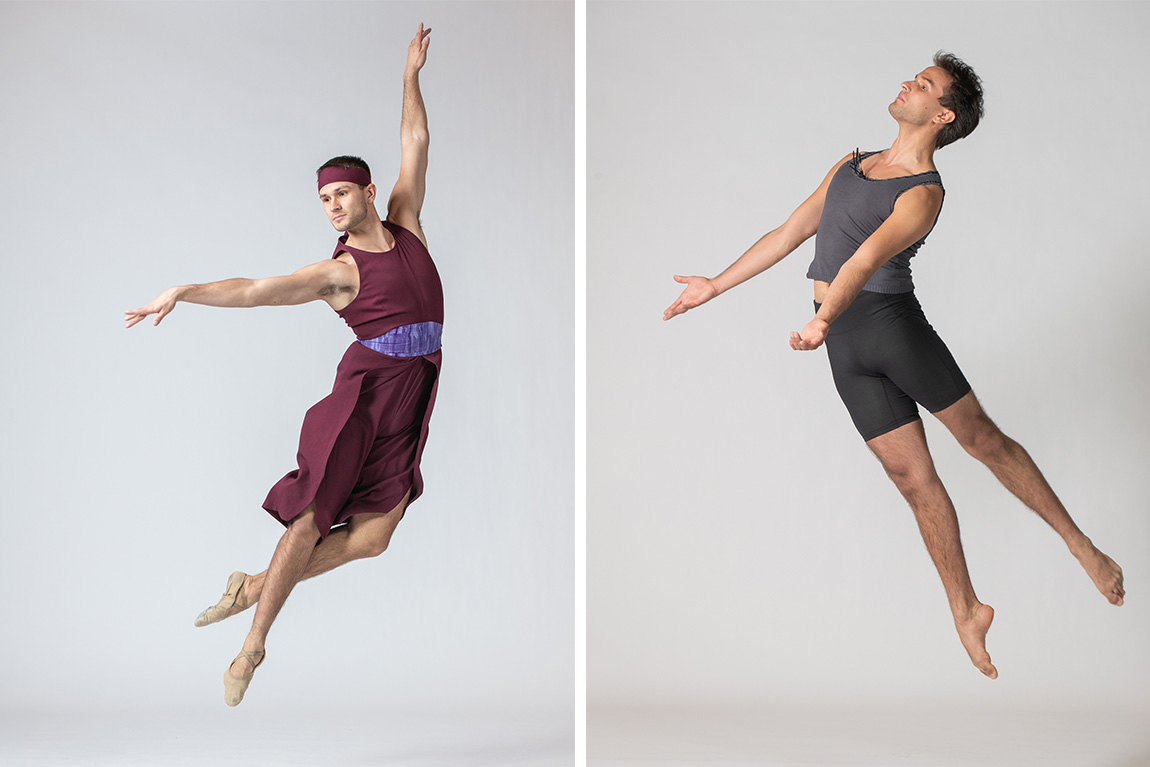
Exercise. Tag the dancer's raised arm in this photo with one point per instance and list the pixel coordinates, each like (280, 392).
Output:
(406, 201)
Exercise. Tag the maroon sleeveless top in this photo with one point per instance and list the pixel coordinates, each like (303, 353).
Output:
(398, 287)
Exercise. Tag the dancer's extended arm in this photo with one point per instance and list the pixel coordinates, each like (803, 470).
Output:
(771, 248)
(325, 280)
(406, 201)
(913, 216)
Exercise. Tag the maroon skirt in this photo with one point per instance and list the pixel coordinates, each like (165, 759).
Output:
(360, 446)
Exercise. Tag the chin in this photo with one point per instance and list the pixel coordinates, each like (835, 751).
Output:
(350, 221)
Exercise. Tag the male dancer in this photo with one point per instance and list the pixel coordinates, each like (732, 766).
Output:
(872, 212)
(360, 446)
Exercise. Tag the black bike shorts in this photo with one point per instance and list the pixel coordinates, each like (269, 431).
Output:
(885, 357)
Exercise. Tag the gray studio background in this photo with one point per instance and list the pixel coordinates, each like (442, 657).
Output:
(152, 144)
(744, 546)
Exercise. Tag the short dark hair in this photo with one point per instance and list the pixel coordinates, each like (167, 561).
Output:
(343, 161)
(963, 97)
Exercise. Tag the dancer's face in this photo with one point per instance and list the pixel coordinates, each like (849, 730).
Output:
(917, 100)
(346, 203)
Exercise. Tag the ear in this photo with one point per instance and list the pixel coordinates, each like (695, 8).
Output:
(369, 191)
(944, 117)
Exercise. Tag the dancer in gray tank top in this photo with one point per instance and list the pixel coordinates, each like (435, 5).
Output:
(872, 213)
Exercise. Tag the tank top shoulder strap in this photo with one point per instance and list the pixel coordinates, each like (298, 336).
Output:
(402, 233)
(860, 156)
(395, 229)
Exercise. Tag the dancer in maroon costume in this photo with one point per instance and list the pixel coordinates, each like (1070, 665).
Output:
(361, 445)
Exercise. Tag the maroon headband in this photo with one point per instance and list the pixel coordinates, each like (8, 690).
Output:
(354, 175)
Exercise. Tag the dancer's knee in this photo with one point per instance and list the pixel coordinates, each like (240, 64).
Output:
(303, 527)
(375, 545)
(984, 441)
(979, 436)
(914, 482)
(371, 537)
(913, 475)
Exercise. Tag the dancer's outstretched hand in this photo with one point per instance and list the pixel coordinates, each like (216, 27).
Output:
(812, 336)
(417, 50)
(699, 291)
(161, 307)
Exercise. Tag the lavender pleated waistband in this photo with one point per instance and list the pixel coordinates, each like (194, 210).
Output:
(408, 340)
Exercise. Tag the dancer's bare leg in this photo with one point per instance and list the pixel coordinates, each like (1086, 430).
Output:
(287, 566)
(297, 557)
(1015, 469)
(906, 459)
(366, 535)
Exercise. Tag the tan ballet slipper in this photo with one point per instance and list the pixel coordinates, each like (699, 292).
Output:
(234, 596)
(236, 686)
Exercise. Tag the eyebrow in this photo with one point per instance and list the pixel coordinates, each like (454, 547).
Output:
(337, 189)
(924, 77)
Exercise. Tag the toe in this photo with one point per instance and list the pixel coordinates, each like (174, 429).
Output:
(982, 663)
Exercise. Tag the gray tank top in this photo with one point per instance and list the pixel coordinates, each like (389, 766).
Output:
(854, 208)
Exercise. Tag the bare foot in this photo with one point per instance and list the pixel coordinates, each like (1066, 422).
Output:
(1105, 573)
(972, 631)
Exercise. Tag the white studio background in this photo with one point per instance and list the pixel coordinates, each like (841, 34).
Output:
(743, 543)
(152, 144)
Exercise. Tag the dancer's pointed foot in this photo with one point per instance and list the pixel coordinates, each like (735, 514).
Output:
(234, 601)
(972, 628)
(239, 675)
(1105, 573)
